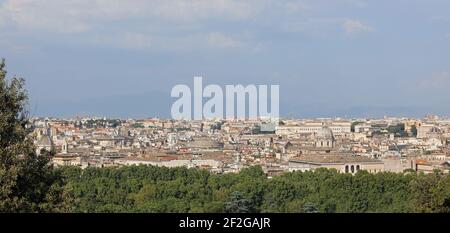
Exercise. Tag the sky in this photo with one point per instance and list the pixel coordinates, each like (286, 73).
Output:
(121, 58)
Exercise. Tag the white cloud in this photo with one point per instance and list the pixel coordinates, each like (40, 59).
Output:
(212, 40)
(52, 15)
(310, 25)
(324, 27)
(70, 16)
(351, 26)
(166, 24)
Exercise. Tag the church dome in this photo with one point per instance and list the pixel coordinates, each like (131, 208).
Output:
(44, 140)
(324, 133)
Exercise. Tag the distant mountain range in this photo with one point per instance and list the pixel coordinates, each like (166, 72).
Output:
(158, 104)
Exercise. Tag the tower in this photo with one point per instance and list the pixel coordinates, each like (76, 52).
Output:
(65, 147)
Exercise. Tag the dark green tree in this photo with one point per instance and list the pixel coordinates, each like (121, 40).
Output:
(352, 127)
(27, 181)
(310, 208)
(414, 131)
(237, 203)
(398, 130)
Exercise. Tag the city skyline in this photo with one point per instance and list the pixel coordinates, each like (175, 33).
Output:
(348, 58)
(275, 109)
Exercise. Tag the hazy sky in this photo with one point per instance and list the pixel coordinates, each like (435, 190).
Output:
(330, 58)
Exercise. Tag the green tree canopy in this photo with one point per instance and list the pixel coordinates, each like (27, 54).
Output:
(27, 182)
(237, 203)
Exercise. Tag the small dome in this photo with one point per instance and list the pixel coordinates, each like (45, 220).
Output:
(324, 133)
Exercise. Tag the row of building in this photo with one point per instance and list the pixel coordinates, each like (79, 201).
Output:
(373, 145)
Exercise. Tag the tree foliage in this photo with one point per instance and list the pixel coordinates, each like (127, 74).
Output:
(179, 190)
(27, 182)
(397, 130)
(414, 131)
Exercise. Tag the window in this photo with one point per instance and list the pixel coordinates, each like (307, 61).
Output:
(357, 168)
(346, 169)
(352, 168)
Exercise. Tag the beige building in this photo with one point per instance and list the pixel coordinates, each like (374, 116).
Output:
(67, 160)
(342, 163)
(427, 166)
(410, 123)
(427, 130)
(337, 127)
(207, 163)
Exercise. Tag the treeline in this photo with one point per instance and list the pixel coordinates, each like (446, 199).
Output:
(182, 190)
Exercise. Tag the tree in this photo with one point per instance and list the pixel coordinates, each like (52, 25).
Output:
(414, 131)
(398, 130)
(27, 181)
(310, 208)
(237, 204)
(352, 127)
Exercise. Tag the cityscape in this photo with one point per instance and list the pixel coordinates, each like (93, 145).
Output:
(224, 115)
(389, 144)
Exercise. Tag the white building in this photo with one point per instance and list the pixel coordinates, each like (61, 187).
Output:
(337, 127)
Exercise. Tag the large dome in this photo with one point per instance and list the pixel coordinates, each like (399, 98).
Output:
(44, 140)
(324, 133)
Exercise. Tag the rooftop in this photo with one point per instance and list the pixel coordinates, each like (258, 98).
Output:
(333, 159)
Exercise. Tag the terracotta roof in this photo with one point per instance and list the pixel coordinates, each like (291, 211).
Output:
(421, 162)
